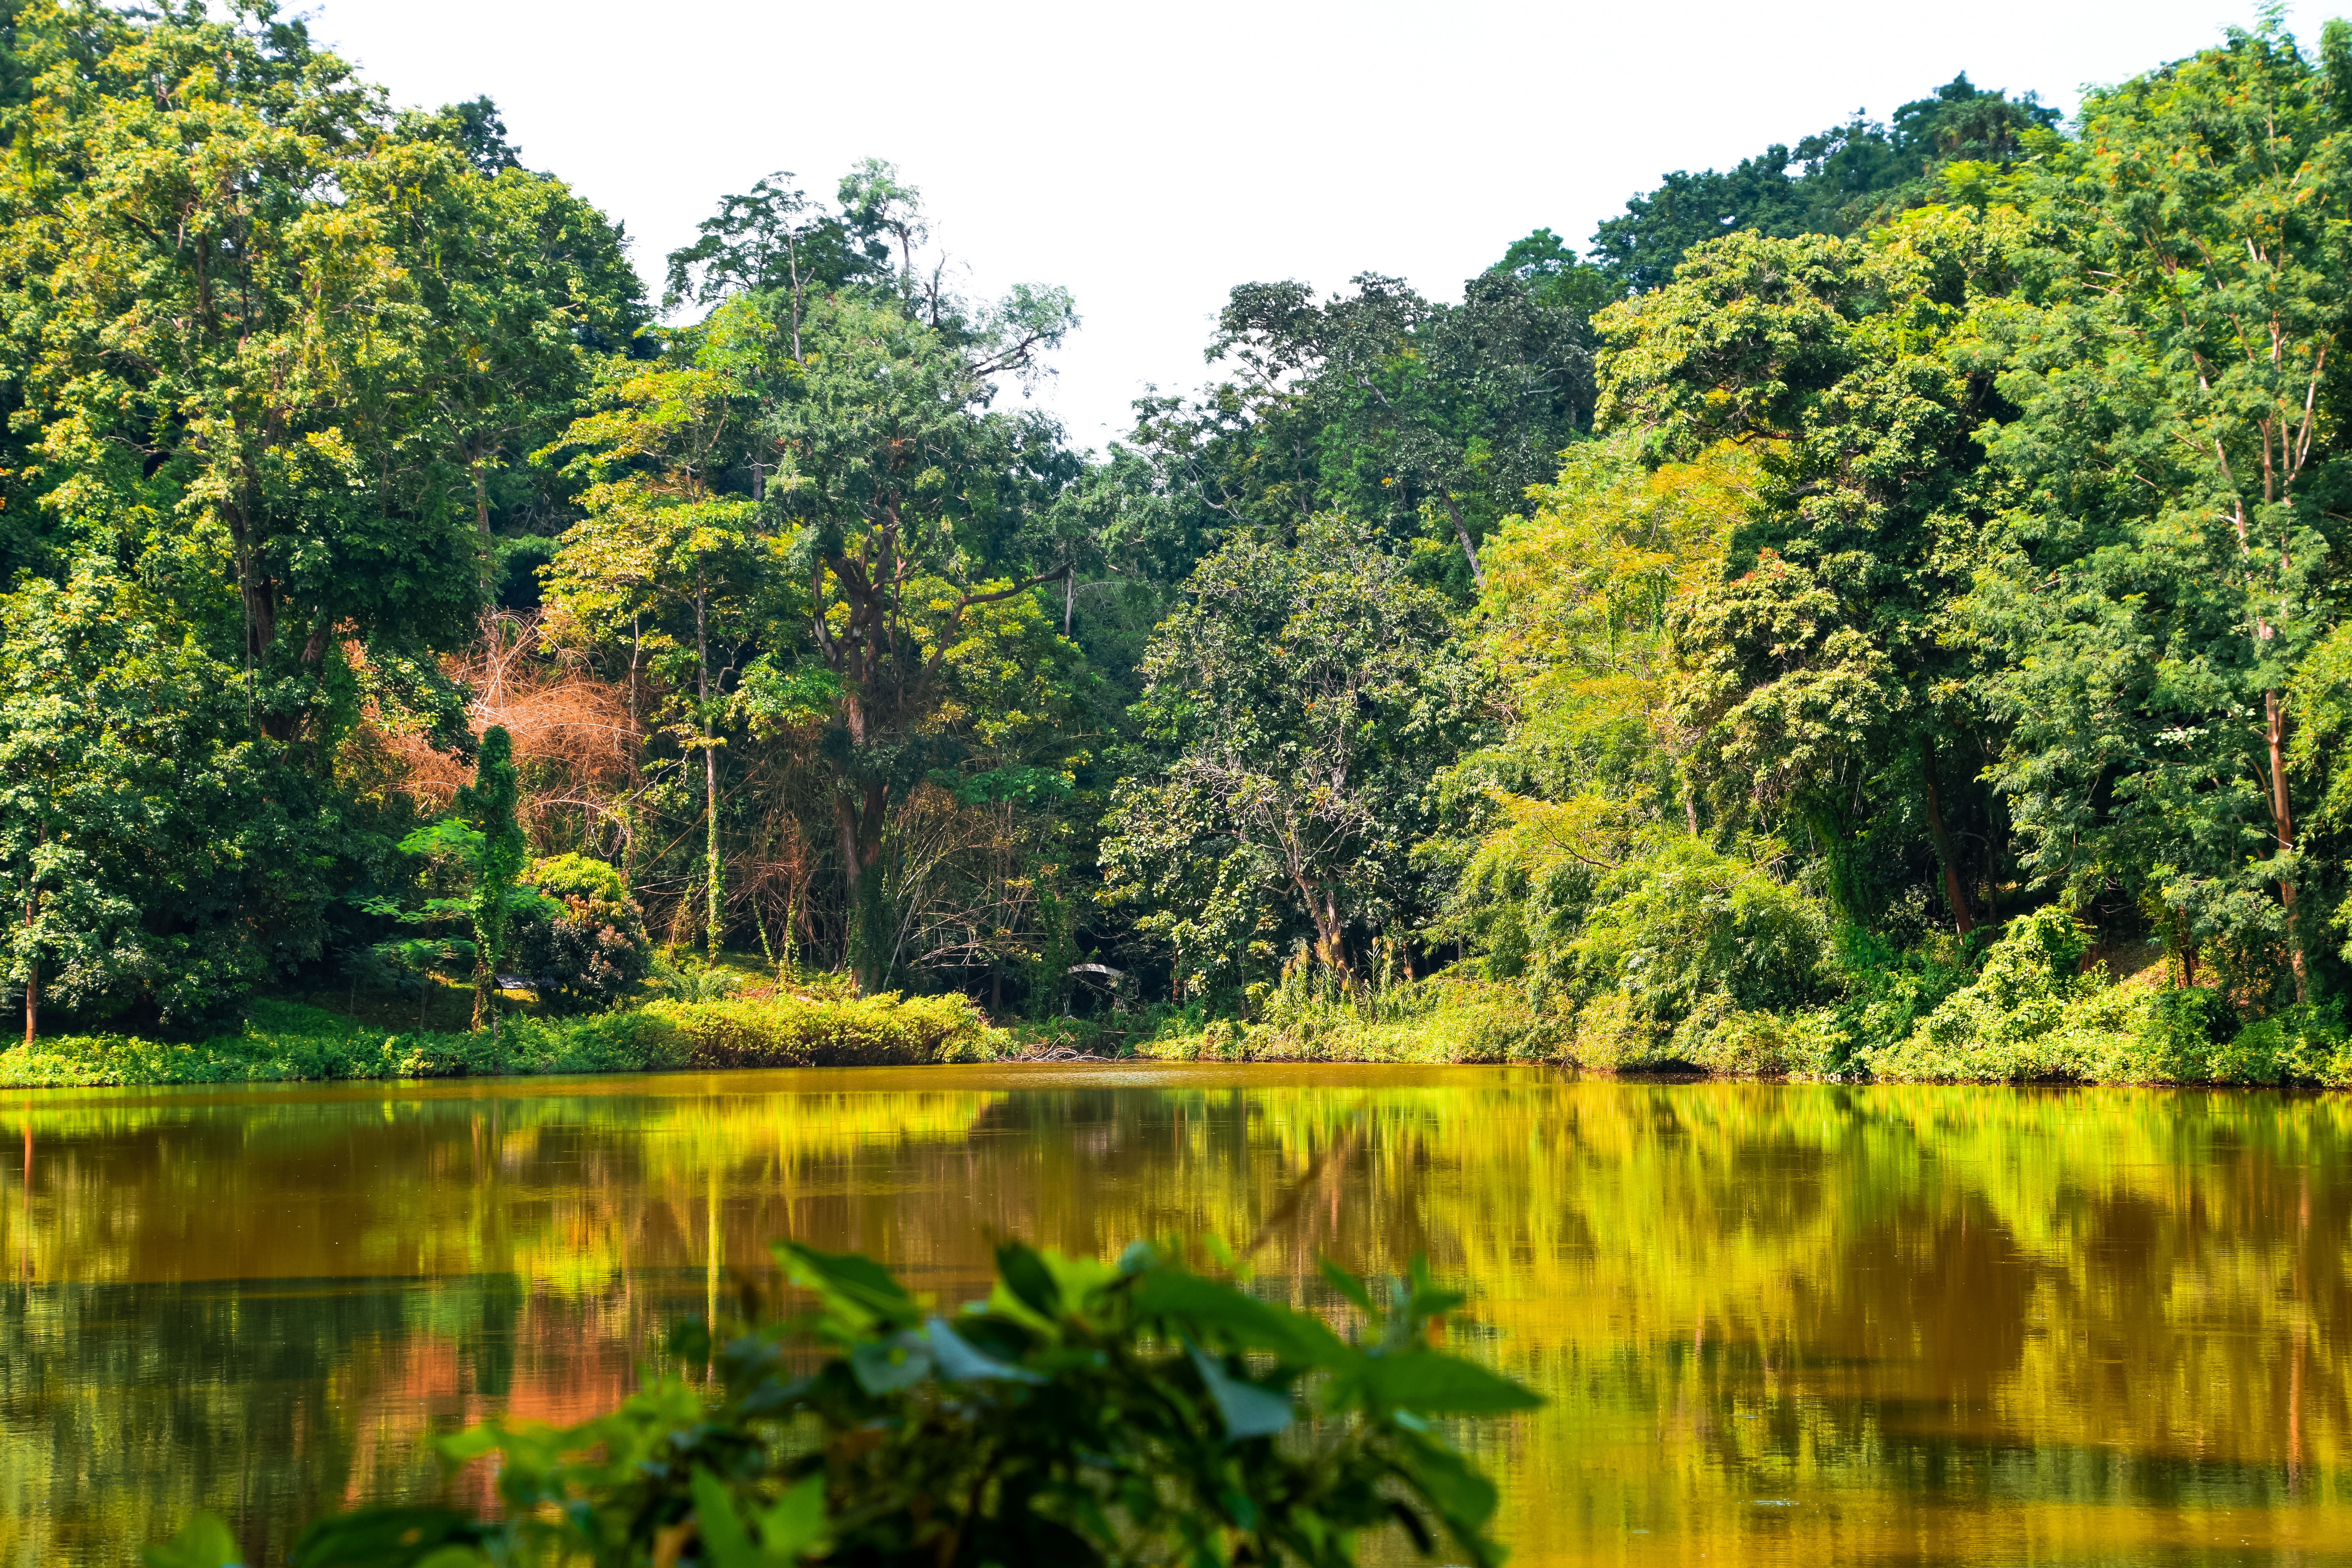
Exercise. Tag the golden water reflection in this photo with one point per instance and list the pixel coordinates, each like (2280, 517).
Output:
(1781, 1324)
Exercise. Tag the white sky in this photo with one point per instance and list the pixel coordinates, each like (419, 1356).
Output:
(1149, 157)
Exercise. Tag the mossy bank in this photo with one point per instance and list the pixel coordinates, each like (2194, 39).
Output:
(291, 1041)
(2037, 1006)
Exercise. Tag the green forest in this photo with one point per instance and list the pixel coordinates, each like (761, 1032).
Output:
(1873, 610)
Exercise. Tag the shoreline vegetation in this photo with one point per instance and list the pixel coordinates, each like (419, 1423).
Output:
(2040, 1008)
(1086, 1412)
(1877, 611)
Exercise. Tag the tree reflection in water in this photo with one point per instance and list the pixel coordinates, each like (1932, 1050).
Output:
(1789, 1322)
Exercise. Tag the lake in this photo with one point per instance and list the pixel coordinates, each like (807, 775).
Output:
(1777, 1323)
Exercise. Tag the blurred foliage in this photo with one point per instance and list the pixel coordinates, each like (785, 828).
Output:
(1137, 1412)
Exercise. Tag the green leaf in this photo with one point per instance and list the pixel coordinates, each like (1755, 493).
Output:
(1248, 1410)
(383, 1537)
(725, 1539)
(797, 1522)
(456, 1449)
(1441, 1385)
(1463, 1496)
(887, 1366)
(962, 1362)
(1030, 1280)
(1241, 1318)
(446, 836)
(1429, 1300)
(1348, 1285)
(203, 1542)
(786, 695)
(845, 1279)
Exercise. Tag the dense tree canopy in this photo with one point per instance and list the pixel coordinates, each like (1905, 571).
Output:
(1746, 617)
(1846, 179)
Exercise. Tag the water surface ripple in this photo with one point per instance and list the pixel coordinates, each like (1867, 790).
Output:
(1779, 1325)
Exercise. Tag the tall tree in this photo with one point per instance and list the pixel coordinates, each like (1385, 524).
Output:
(262, 320)
(1825, 680)
(906, 500)
(1292, 713)
(664, 548)
(1429, 420)
(1844, 180)
(155, 862)
(2173, 556)
(773, 240)
(483, 834)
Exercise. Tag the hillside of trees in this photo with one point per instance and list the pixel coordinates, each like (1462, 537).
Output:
(1872, 608)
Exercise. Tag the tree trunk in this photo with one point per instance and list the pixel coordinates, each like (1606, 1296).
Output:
(485, 978)
(1328, 944)
(715, 892)
(845, 822)
(1469, 550)
(482, 522)
(2281, 820)
(1962, 918)
(792, 255)
(861, 858)
(33, 970)
(636, 752)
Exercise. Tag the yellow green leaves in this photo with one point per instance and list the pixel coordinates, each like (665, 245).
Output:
(1577, 592)
(1246, 1409)
(1429, 1382)
(1092, 1412)
(203, 1542)
(776, 695)
(859, 1296)
(1537, 837)
(1580, 602)
(788, 1528)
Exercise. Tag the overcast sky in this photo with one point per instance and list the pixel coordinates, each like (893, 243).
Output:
(1149, 158)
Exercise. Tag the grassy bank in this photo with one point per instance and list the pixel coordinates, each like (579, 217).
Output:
(296, 1041)
(2036, 1007)
(2106, 1033)
(1449, 1019)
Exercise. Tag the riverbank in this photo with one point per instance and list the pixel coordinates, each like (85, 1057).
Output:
(2035, 1008)
(2116, 1038)
(2038, 1005)
(286, 1041)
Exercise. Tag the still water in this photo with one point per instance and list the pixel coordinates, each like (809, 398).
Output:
(1777, 1324)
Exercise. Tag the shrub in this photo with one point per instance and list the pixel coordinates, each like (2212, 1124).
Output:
(865, 1031)
(1685, 932)
(2033, 1014)
(2302, 1044)
(1723, 1038)
(1470, 1020)
(1088, 1414)
(590, 950)
(1313, 1015)
(286, 1041)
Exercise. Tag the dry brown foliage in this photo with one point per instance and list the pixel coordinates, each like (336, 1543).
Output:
(575, 743)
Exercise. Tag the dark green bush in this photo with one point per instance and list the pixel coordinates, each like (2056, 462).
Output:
(786, 1031)
(590, 950)
(1680, 940)
(287, 1041)
(1088, 1414)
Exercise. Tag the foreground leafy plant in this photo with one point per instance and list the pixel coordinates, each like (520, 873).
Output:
(1088, 1413)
